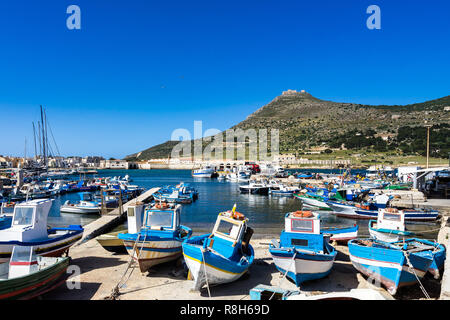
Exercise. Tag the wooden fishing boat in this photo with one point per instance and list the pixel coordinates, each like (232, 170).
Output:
(303, 252)
(29, 228)
(154, 234)
(255, 187)
(222, 256)
(393, 265)
(436, 249)
(389, 226)
(87, 204)
(110, 242)
(283, 190)
(264, 292)
(26, 275)
(341, 234)
(311, 200)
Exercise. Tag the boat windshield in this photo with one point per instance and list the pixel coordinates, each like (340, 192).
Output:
(159, 219)
(302, 225)
(23, 216)
(23, 254)
(390, 216)
(228, 229)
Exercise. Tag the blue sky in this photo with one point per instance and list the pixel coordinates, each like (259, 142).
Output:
(137, 70)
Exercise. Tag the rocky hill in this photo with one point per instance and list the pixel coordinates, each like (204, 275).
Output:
(305, 122)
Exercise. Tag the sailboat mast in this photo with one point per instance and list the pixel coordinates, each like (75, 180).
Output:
(43, 138)
(34, 137)
(39, 139)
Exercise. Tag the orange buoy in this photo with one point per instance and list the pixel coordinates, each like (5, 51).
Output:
(303, 214)
(238, 216)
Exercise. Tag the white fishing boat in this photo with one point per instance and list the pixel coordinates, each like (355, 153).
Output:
(255, 187)
(389, 226)
(154, 234)
(87, 204)
(204, 172)
(29, 228)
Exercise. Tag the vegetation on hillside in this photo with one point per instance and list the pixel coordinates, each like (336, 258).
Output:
(306, 123)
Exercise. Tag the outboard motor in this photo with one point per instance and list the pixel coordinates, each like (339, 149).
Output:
(246, 240)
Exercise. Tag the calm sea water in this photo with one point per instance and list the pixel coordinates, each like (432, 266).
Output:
(265, 213)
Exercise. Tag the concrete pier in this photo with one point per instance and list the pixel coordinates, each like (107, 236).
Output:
(112, 219)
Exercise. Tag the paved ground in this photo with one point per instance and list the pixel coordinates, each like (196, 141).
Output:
(101, 271)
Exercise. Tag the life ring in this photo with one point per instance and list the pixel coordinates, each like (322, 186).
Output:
(238, 216)
(391, 210)
(303, 214)
(162, 205)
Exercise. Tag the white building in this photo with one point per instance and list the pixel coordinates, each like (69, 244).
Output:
(113, 164)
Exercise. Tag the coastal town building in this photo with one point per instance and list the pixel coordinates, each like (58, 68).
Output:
(113, 164)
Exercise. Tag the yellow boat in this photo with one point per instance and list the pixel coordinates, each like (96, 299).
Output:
(110, 242)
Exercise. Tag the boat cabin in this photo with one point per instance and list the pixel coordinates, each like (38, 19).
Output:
(29, 221)
(135, 216)
(302, 231)
(162, 219)
(23, 262)
(228, 232)
(86, 196)
(391, 219)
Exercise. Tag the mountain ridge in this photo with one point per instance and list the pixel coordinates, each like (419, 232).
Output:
(305, 121)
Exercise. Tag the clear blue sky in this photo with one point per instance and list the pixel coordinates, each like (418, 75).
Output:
(137, 70)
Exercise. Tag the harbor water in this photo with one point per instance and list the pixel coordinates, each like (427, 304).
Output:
(265, 213)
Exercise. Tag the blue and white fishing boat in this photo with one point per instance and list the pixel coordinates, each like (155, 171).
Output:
(154, 234)
(348, 209)
(341, 234)
(29, 228)
(417, 214)
(204, 172)
(394, 265)
(436, 249)
(5, 221)
(173, 195)
(283, 190)
(222, 256)
(86, 204)
(389, 226)
(187, 189)
(303, 252)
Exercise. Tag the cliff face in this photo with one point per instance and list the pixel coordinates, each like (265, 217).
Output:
(305, 121)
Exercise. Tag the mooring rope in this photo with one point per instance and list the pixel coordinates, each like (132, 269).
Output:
(285, 274)
(414, 271)
(115, 291)
(206, 275)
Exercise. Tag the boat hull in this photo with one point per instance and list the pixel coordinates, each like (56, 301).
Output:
(304, 267)
(219, 269)
(410, 215)
(342, 234)
(313, 202)
(264, 190)
(341, 209)
(111, 243)
(80, 210)
(37, 283)
(387, 266)
(152, 253)
(54, 247)
(439, 255)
